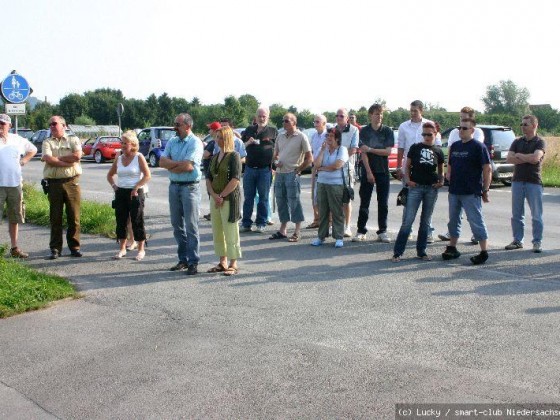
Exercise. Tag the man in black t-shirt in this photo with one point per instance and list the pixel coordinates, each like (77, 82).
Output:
(376, 142)
(259, 143)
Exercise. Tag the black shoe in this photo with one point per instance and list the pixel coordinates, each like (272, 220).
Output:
(450, 253)
(179, 267)
(192, 270)
(480, 258)
(76, 253)
(54, 254)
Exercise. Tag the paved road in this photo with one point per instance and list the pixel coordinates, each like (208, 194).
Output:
(299, 333)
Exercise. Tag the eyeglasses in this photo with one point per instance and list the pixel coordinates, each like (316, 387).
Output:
(178, 124)
(53, 124)
(286, 121)
(463, 128)
(427, 134)
(316, 122)
(525, 125)
(340, 116)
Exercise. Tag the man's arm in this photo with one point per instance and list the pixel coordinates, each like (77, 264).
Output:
(167, 163)
(307, 161)
(532, 158)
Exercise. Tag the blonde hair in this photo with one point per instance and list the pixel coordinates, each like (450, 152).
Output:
(226, 133)
(131, 137)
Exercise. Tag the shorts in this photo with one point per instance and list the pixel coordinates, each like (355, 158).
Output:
(13, 196)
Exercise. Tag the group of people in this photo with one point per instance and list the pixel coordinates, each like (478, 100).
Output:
(278, 158)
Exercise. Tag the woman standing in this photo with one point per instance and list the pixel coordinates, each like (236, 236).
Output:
(330, 187)
(132, 173)
(424, 177)
(222, 183)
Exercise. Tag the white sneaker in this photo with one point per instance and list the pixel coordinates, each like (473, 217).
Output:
(430, 239)
(444, 236)
(339, 243)
(347, 232)
(259, 229)
(537, 247)
(360, 237)
(383, 237)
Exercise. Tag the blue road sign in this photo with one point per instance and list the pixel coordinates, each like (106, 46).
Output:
(15, 89)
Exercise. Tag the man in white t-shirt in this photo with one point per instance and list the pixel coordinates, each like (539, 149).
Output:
(15, 152)
(317, 140)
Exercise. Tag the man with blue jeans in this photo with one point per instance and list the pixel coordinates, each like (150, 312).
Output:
(527, 153)
(470, 175)
(182, 158)
(259, 143)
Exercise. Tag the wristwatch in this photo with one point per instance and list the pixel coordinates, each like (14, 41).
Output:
(485, 191)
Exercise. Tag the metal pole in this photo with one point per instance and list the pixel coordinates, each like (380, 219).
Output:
(16, 124)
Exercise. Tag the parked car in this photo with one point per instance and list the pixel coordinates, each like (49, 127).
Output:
(498, 139)
(101, 148)
(26, 133)
(152, 142)
(40, 135)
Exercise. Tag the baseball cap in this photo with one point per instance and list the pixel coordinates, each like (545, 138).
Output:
(214, 126)
(5, 118)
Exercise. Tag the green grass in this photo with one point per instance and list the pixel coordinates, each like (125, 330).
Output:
(23, 289)
(95, 218)
(550, 174)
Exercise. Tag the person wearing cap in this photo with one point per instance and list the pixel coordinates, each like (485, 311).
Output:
(239, 147)
(15, 152)
(62, 154)
(182, 157)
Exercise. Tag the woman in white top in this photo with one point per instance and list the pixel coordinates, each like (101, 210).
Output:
(132, 173)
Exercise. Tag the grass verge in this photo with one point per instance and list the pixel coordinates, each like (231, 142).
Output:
(23, 289)
(551, 163)
(95, 218)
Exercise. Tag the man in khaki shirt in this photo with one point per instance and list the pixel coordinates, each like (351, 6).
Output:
(61, 154)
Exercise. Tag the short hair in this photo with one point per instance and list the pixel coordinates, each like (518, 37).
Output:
(343, 110)
(187, 119)
(60, 119)
(321, 117)
(226, 134)
(418, 104)
(431, 125)
(468, 110)
(375, 107)
(337, 134)
(472, 121)
(225, 120)
(534, 120)
(132, 138)
(291, 117)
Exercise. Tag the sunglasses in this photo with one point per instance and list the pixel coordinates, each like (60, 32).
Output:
(316, 122)
(463, 128)
(340, 116)
(525, 125)
(427, 134)
(177, 124)
(286, 121)
(53, 124)
(3, 123)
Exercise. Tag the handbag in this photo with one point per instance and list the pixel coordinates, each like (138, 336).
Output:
(402, 197)
(347, 191)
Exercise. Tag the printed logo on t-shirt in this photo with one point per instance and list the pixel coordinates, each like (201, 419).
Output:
(427, 157)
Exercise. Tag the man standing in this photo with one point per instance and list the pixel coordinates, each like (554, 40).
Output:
(182, 158)
(470, 175)
(353, 119)
(259, 142)
(292, 154)
(15, 152)
(62, 154)
(350, 139)
(317, 140)
(376, 142)
(527, 153)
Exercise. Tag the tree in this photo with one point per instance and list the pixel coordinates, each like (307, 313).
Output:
(84, 120)
(234, 111)
(506, 98)
(72, 106)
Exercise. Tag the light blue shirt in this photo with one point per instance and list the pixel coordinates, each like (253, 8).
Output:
(189, 148)
(238, 146)
(334, 177)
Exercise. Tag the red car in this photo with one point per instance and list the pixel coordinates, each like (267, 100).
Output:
(102, 148)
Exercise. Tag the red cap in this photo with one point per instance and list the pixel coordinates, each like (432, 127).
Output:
(214, 126)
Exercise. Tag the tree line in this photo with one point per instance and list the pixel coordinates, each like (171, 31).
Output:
(504, 104)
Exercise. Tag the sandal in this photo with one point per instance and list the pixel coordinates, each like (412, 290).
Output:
(230, 271)
(424, 257)
(396, 258)
(278, 235)
(140, 256)
(119, 255)
(132, 246)
(294, 238)
(218, 269)
(312, 226)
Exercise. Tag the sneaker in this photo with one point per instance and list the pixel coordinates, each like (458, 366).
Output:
(179, 267)
(347, 232)
(55, 253)
(537, 247)
(383, 237)
(450, 253)
(76, 253)
(316, 242)
(339, 243)
(207, 216)
(514, 245)
(192, 269)
(269, 223)
(430, 239)
(444, 237)
(259, 229)
(245, 229)
(360, 237)
(18, 253)
(480, 258)
(473, 240)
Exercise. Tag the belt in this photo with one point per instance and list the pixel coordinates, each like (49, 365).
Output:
(184, 182)
(260, 167)
(61, 180)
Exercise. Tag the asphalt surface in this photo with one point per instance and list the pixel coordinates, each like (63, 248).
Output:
(300, 332)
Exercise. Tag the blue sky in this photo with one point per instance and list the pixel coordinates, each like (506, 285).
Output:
(318, 55)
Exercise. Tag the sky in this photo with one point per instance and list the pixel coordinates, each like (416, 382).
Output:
(315, 55)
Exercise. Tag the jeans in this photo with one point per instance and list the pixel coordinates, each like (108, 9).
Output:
(256, 181)
(472, 204)
(427, 196)
(533, 193)
(288, 189)
(184, 201)
(366, 190)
